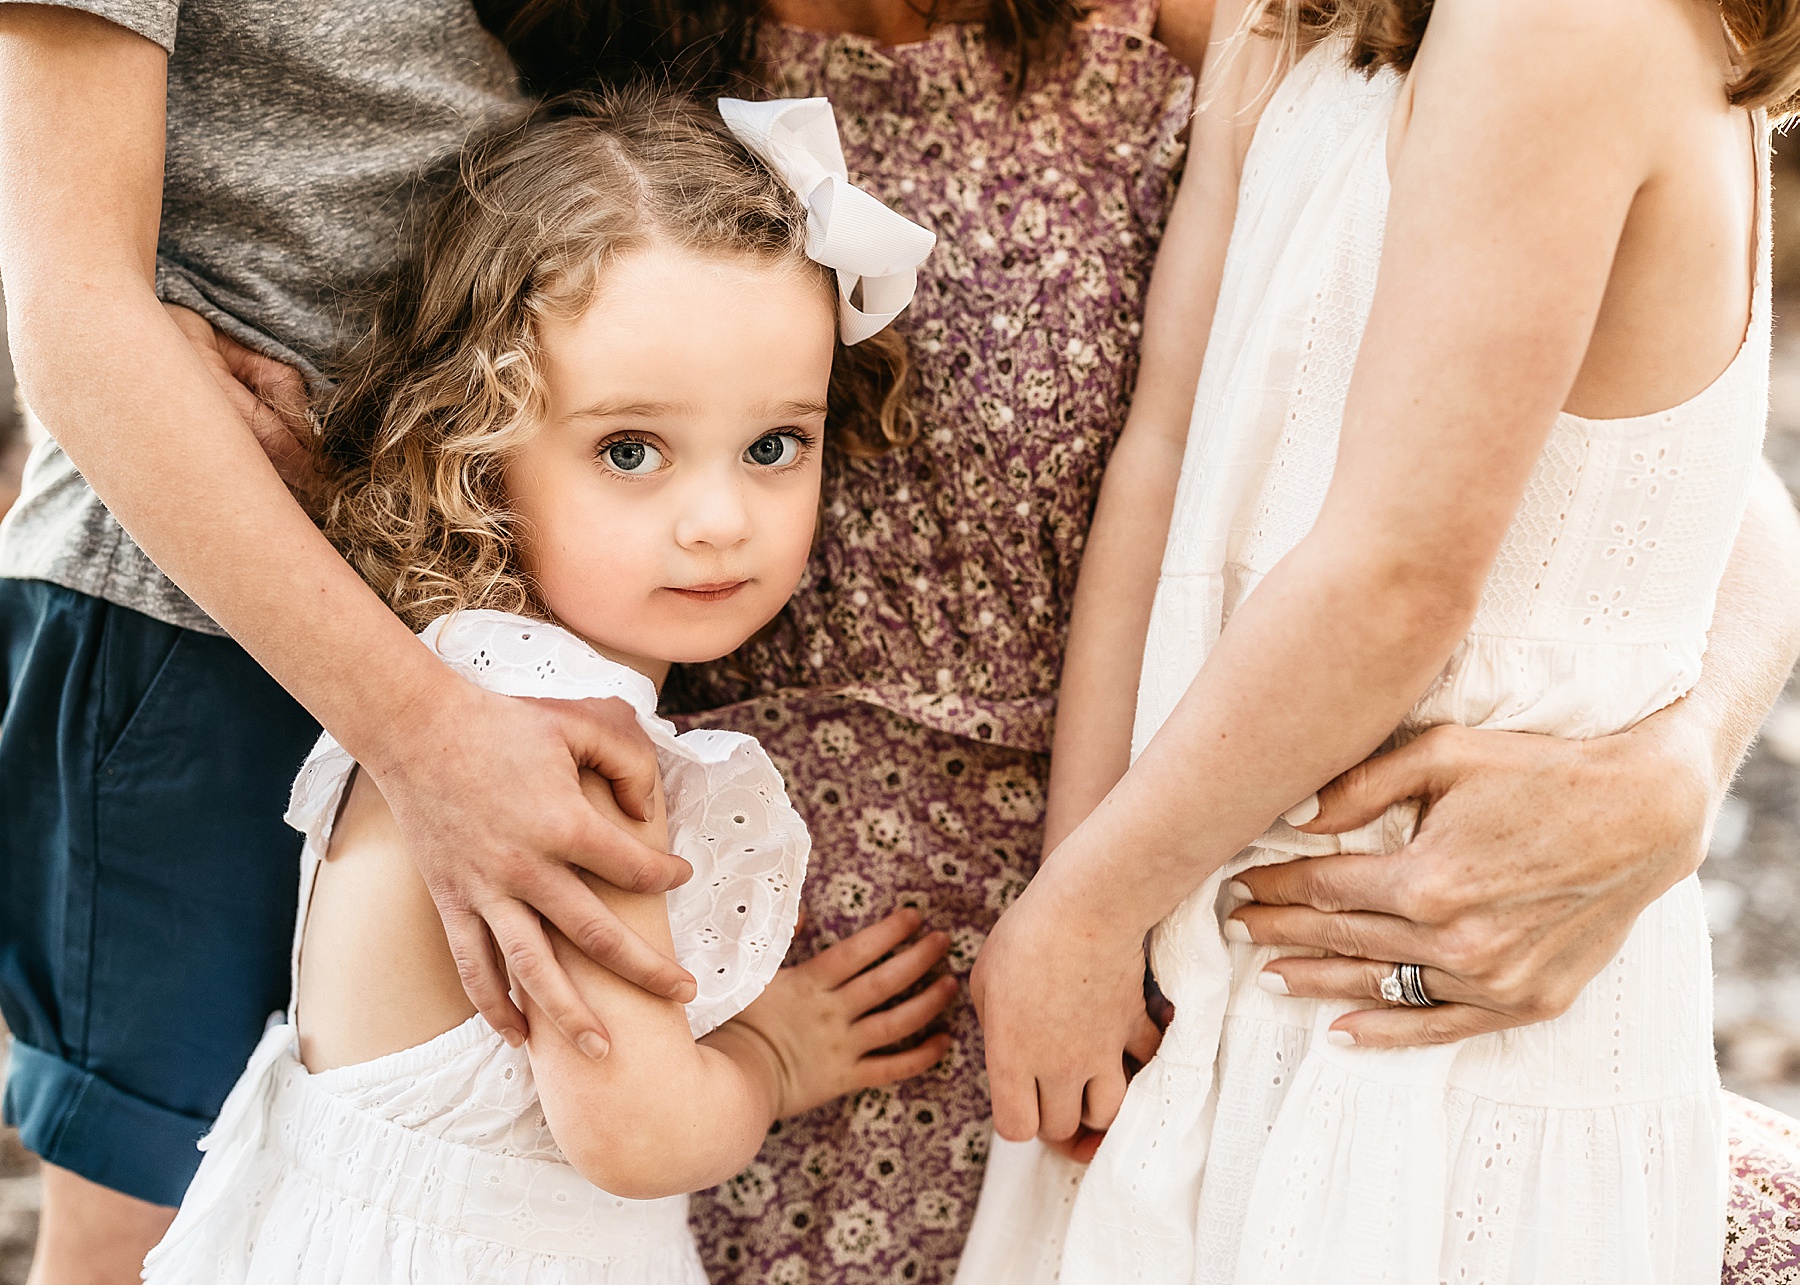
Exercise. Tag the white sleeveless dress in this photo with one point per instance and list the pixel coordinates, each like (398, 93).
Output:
(1587, 1150)
(433, 1165)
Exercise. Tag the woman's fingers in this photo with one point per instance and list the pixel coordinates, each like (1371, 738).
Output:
(875, 986)
(1353, 934)
(1348, 882)
(1423, 768)
(837, 964)
(1386, 1028)
(891, 1067)
(880, 1029)
(534, 967)
(1335, 978)
(483, 974)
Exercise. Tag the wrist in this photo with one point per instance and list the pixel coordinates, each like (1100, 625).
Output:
(423, 708)
(1668, 772)
(1104, 910)
(759, 1061)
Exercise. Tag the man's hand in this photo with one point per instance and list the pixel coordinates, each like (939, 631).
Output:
(1534, 860)
(267, 395)
(1061, 1002)
(499, 862)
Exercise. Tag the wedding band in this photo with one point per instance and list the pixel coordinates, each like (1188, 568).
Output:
(1406, 986)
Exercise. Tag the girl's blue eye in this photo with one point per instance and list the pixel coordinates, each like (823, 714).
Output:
(774, 450)
(632, 457)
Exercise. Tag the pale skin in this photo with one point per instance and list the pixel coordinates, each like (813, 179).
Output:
(1633, 296)
(668, 504)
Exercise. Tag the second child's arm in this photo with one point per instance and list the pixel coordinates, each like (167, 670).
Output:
(1098, 688)
(1455, 390)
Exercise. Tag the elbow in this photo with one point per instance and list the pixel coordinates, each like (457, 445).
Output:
(651, 1159)
(1419, 602)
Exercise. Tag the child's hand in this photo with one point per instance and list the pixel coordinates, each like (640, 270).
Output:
(817, 1025)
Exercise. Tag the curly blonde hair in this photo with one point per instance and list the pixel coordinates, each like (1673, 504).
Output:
(446, 383)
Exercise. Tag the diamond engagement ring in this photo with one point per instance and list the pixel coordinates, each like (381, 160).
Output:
(1405, 986)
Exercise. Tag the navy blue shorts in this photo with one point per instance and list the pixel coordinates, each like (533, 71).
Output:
(147, 881)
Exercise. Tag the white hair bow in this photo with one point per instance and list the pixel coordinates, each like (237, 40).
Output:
(847, 230)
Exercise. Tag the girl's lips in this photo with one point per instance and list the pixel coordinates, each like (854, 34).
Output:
(710, 592)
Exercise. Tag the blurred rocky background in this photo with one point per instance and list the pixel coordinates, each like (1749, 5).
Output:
(1751, 877)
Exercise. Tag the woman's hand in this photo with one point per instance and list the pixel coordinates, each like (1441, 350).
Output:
(1534, 859)
(819, 1025)
(1060, 993)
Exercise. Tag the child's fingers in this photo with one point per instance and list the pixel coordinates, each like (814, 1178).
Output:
(873, 1071)
(887, 979)
(837, 964)
(878, 1030)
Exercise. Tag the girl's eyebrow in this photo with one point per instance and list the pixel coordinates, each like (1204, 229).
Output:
(798, 409)
(631, 410)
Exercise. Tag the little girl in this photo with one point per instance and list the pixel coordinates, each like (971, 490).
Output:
(582, 442)
(1480, 409)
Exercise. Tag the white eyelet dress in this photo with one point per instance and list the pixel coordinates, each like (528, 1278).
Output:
(1587, 1150)
(433, 1165)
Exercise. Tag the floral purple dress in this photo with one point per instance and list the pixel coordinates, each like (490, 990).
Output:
(907, 690)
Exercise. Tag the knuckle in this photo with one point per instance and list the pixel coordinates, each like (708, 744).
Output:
(600, 939)
(1340, 938)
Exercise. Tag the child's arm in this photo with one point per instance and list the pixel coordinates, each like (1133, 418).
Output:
(1119, 567)
(1481, 320)
(662, 1114)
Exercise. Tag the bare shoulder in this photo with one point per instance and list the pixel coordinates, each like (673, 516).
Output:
(376, 973)
(1619, 56)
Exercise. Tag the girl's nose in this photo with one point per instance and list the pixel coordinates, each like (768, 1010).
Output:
(715, 515)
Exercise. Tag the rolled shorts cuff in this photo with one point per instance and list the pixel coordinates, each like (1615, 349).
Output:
(77, 1121)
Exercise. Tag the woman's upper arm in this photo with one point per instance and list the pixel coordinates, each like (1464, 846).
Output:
(1511, 186)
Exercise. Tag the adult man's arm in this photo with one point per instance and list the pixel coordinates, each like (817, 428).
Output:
(485, 788)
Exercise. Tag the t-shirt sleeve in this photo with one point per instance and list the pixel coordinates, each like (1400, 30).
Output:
(151, 19)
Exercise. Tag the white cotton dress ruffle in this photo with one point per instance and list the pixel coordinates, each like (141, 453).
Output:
(1587, 1150)
(434, 1164)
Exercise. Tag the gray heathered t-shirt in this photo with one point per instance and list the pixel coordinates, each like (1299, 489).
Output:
(297, 130)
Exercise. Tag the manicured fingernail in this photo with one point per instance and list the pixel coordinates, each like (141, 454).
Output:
(1343, 1039)
(1236, 930)
(513, 1036)
(1303, 811)
(1241, 890)
(1274, 983)
(683, 992)
(592, 1045)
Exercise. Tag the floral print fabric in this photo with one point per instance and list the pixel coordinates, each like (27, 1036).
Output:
(1762, 1218)
(907, 690)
